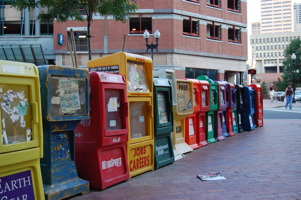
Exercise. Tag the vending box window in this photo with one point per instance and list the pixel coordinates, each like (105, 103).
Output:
(138, 73)
(65, 101)
(21, 144)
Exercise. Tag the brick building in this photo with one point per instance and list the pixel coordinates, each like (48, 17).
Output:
(197, 37)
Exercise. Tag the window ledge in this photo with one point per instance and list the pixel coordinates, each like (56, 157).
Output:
(191, 36)
(214, 40)
(234, 11)
(214, 6)
(192, 2)
(234, 42)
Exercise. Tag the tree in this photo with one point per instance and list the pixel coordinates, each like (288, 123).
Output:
(63, 10)
(290, 66)
(264, 87)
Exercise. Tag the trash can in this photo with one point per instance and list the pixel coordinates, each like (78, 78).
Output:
(101, 156)
(65, 101)
(21, 144)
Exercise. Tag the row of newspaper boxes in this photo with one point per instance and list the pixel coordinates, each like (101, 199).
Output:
(65, 130)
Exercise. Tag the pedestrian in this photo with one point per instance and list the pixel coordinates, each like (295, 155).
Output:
(289, 96)
(272, 94)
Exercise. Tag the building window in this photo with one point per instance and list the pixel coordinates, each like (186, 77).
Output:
(234, 35)
(194, 1)
(139, 24)
(190, 27)
(234, 5)
(195, 72)
(214, 31)
(81, 40)
(214, 3)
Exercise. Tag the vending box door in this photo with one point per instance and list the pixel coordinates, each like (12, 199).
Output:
(204, 93)
(140, 119)
(19, 114)
(185, 99)
(222, 96)
(163, 111)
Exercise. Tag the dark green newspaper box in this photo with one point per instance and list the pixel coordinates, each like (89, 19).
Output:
(213, 107)
(163, 122)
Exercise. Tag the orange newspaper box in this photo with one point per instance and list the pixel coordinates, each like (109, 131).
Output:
(191, 124)
(101, 156)
(201, 116)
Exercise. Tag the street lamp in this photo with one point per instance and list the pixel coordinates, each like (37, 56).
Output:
(151, 46)
(293, 57)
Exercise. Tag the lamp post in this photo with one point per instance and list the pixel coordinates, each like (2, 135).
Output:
(293, 57)
(152, 46)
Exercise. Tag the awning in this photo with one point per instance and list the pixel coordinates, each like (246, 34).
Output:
(23, 53)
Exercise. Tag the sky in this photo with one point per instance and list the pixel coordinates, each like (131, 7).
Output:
(254, 10)
(254, 15)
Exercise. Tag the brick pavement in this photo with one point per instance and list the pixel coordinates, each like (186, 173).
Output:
(261, 164)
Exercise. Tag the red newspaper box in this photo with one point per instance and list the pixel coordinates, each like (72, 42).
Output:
(191, 121)
(258, 104)
(201, 116)
(101, 156)
(219, 116)
(230, 115)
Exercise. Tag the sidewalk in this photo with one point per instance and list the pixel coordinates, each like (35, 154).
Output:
(267, 104)
(260, 164)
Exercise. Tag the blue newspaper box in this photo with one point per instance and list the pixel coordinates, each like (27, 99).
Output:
(65, 101)
(249, 109)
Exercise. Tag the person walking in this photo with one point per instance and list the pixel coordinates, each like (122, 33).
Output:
(272, 94)
(289, 96)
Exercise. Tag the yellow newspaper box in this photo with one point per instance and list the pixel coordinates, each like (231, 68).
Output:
(21, 134)
(138, 71)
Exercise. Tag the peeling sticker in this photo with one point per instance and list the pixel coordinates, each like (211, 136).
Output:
(28, 134)
(4, 135)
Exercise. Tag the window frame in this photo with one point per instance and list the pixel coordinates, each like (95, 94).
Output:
(191, 24)
(236, 31)
(236, 5)
(142, 25)
(219, 32)
(214, 3)
(77, 39)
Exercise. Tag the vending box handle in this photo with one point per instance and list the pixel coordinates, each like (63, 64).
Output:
(35, 112)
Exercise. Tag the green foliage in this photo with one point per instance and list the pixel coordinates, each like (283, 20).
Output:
(264, 87)
(281, 84)
(63, 10)
(290, 65)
